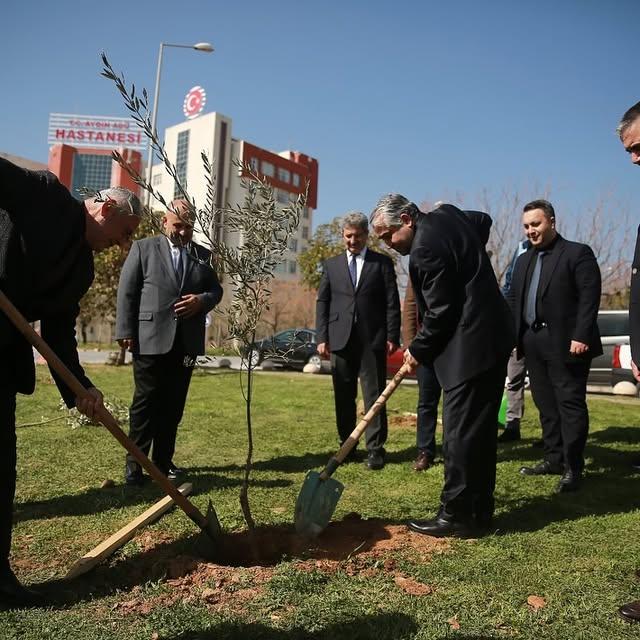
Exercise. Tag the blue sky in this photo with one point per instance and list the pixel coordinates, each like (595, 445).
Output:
(426, 98)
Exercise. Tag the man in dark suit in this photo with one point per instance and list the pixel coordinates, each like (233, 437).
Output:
(629, 132)
(554, 296)
(358, 324)
(467, 334)
(429, 389)
(166, 288)
(46, 266)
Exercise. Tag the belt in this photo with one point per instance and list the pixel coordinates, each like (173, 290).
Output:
(537, 325)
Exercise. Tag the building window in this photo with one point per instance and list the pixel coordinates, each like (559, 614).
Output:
(305, 213)
(292, 266)
(280, 268)
(181, 162)
(254, 164)
(284, 175)
(282, 196)
(296, 180)
(293, 244)
(305, 233)
(268, 169)
(157, 179)
(91, 172)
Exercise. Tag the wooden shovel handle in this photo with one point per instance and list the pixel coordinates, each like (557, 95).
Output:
(102, 414)
(353, 438)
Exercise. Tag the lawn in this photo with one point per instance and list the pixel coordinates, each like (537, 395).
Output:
(557, 567)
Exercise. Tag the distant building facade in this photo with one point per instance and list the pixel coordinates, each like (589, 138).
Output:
(81, 146)
(288, 172)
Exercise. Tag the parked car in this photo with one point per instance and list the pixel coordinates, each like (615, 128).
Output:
(621, 371)
(291, 348)
(606, 370)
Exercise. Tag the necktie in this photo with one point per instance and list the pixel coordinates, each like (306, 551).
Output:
(530, 309)
(179, 268)
(353, 270)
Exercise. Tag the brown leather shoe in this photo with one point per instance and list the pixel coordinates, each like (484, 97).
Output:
(630, 611)
(422, 462)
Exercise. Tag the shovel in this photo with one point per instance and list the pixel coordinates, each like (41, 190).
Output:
(320, 493)
(210, 524)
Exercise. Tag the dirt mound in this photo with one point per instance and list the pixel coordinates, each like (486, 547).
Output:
(403, 421)
(350, 537)
(356, 546)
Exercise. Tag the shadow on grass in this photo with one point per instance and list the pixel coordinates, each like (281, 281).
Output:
(99, 500)
(523, 450)
(385, 626)
(307, 461)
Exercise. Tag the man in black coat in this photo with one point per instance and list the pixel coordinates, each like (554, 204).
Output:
(554, 296)
(167, 286)
(358, 324)
(46, 266)
(467, 334)
(629, 132)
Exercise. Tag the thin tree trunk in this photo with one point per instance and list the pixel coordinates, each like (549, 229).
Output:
(244, 491)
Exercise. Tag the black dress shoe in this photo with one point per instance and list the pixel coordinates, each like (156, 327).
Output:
(442, 526)
(422, 462)
(509, 435)
(14, 596)
(570, 481)
(174, 472)
(483, 522)
(375, 460)
(133, 475)
(630, 611)
(544, 468)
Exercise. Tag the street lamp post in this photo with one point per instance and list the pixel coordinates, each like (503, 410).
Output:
(200, 46)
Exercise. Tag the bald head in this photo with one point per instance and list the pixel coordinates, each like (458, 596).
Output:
(178, 222)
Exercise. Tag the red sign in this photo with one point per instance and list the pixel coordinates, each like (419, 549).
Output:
(194, 102)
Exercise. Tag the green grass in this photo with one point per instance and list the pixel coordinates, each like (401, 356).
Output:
(578, 551)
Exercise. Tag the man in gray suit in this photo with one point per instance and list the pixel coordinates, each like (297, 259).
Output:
(166, 288)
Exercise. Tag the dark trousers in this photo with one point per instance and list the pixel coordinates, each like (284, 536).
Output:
(7, 468)
(469, 447)
(161, 386)
(428, 398)
(559, 390)
(358, 359)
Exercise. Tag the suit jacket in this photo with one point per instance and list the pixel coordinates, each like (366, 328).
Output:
(46, 266)
(466, 325)
(148, 290)
(568, 298)
(375, 302)
(634, 304)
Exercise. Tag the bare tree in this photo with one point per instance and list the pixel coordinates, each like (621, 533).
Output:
(604, 225)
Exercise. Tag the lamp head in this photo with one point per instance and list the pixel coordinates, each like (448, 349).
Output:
(203, 46)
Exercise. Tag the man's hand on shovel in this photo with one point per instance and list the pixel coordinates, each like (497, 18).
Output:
(90, 404)
(410, 362)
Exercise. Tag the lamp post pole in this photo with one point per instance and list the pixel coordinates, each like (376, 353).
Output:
(200, 46)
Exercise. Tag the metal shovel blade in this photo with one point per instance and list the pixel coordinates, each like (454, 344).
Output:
(316, 503)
